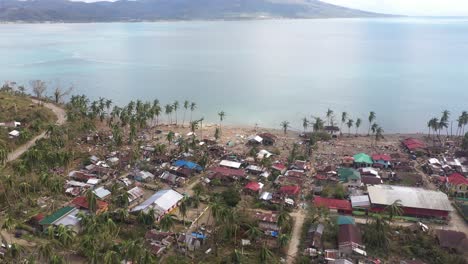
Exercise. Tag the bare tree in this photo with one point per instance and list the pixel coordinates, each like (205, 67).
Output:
(59, 93)
(38, 87)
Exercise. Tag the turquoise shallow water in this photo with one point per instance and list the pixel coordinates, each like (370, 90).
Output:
(406, 70)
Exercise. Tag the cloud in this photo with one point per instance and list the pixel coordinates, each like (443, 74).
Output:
(408, 7)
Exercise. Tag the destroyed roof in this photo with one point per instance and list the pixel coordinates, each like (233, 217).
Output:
(347, 174)
(290, 189)
(383, 157)
(450, 239)
(227, 172)
(409, 196)
(271, 217)
(349, 233)
(82, 202)
(134, 194)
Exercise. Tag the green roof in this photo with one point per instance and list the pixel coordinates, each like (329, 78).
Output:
(363, 158)
(56, 215)
(345, 220)
(347, 174)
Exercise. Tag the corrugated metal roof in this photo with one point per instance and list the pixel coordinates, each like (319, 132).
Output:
(231, 164)
(164, 199)
(409, 197)
(56, 215)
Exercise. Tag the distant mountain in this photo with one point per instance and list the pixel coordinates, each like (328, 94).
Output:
(148, 10)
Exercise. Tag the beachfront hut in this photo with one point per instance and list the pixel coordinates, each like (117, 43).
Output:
(362, 160)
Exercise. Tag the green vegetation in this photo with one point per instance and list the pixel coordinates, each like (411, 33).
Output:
(16, 106)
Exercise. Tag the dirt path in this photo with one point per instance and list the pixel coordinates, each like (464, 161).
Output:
(61, 118)
(299, 217)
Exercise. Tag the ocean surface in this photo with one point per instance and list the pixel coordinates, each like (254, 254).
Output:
(406, 70)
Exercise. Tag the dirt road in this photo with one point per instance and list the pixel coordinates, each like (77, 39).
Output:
(61, 118)
(299, 217)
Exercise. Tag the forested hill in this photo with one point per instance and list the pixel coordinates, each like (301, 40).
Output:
(149, 10)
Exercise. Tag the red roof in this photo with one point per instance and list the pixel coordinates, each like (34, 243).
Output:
(81, 202)
(320, 177)
(455, 179)
(254, 186)
(290, 189)
(412, 143)
(279, 166)
(336, 204)
(383, 157)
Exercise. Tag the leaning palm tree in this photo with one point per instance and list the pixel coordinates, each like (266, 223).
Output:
(444, 120)
(349, 124)
(285, 126)
(358, 124)
(371, 119)
(91, 200)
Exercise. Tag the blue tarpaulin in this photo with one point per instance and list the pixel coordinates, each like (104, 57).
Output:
(188, 164)
(198, 235)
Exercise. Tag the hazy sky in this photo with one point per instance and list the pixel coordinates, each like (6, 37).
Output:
(409, 7)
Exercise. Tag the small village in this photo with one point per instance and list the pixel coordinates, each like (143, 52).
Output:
(124, 185)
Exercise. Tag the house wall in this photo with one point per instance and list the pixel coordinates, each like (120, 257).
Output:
(417, 212)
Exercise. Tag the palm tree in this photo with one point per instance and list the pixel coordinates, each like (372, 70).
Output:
(374, 127)
(284, 219)
(167, 222)
(186, 107)
(253, 232)
(183, 209)
(283, 240)
(91, 200)
(265, 254)
(193, 106)
(371, 119)
(175, 107)
(3, 154)
(378, 134)
(350, 124)
(318, 124)
(305, 123)
(221, 115)
(344, 116)
(170, 137)
(444, 120)
(285, 126)
(434, 124)
(217, 133)
(168, 111)
(394, 209)
(358, 124)
(329, 116)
